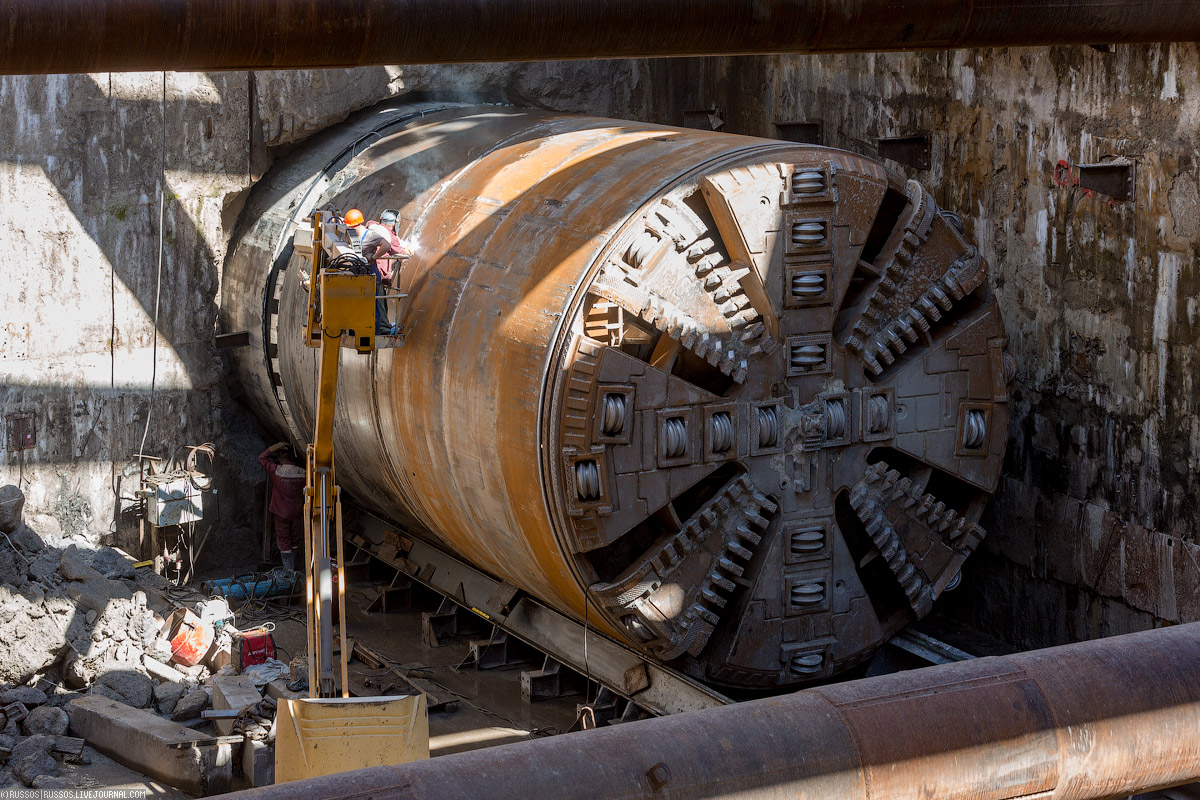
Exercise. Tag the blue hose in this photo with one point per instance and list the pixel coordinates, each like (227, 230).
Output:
(243, 587)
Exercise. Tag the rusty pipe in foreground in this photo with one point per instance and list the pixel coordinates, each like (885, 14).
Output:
(49, 36)
(1104, 718)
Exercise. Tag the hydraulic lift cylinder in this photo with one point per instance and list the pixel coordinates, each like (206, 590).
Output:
(1100, 719)
(47, 36)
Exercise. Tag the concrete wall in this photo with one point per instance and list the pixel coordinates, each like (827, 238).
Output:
(82, 174)
(80, 179)
(1095, 529)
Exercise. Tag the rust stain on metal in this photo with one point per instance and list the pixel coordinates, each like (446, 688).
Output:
(750, 397)
(1106, 718)
(56, 36)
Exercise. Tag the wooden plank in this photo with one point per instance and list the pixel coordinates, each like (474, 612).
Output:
(373, 659)
(68, 745)
(368, 656)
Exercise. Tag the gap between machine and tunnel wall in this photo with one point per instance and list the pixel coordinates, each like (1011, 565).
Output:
(1090, 533)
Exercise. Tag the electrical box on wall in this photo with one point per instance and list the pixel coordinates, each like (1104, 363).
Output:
(172, 498)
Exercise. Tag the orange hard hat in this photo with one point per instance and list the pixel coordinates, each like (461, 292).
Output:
(354, 217)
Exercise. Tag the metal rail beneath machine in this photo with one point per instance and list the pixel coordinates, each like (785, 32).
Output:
(654, 687)
(610, 664)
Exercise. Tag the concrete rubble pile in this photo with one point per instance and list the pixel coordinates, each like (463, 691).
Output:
(84, 650)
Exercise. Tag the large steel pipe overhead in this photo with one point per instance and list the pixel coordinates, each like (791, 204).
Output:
(748, 398)
(1103, 719)
(48, 36)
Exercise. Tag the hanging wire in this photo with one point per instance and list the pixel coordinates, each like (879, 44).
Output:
(162, 216)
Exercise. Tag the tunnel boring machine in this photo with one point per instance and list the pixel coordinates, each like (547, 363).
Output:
(736, 402)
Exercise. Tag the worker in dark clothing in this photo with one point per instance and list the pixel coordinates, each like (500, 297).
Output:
(287, 499)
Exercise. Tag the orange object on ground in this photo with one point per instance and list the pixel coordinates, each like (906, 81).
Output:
(191, 642)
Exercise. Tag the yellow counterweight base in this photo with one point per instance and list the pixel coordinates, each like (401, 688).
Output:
(321, 736)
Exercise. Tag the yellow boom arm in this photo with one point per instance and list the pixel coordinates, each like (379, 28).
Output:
(341, 303)
(324, 733)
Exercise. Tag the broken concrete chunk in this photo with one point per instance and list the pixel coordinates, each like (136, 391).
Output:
(144, 627)
(27, 695)
(233, 693)
(27, 540)
(166, 696)
(198, 672)
(46, 783)
(30, 768)
(112, 565)
(12, 501)
(135, 687)
(190, 705)
(149, 744)
(46, 721)
(86, 586)
(74, 566)
(84, 595)
(46, 526)
(44, 567)
(100, 690)
(161, 671)
(31, 758)
(160, 650)
(30, 745)
(277, 690)
(258, 763)
(28, 647)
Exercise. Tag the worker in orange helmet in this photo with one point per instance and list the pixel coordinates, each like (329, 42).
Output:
(376, 242)
(357, 223)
